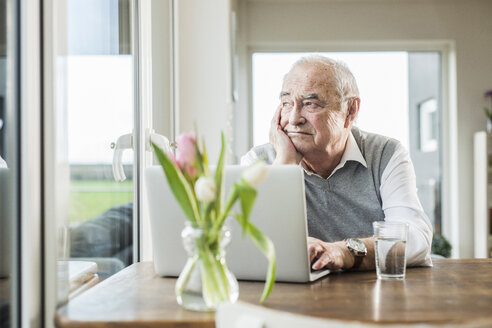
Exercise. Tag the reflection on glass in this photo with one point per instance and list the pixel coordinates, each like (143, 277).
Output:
(5, 248)
(7, 164)
(99, 91)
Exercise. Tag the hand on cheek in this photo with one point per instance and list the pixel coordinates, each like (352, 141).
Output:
(286, 152)
(284, 120)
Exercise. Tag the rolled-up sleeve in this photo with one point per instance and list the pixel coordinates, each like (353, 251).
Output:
(265, 152)
(249, 158)
(400, 203)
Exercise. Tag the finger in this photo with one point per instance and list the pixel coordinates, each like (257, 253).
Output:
(312, 253)
(323, 261)
(279, 119)
(319, 263)
(274, 125)
(276, 116)
(279, 114)
(312, 243)
(317, 251)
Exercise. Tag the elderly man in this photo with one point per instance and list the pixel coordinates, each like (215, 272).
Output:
(352, 178)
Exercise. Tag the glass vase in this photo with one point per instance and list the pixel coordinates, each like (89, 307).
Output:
(205, 281)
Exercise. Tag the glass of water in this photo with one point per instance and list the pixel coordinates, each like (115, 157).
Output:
(390, 248)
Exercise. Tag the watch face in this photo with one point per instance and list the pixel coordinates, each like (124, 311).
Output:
(357, 245)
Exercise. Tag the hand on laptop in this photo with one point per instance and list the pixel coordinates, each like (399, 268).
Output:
(333, 256)
(336, 256)
(286, 152)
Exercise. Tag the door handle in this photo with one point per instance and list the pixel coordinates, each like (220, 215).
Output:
(126, 142)
(159, 140)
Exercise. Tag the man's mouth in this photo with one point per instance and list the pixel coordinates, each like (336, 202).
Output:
(298, 133)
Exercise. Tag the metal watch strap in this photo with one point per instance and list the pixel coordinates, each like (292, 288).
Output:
(358, 255)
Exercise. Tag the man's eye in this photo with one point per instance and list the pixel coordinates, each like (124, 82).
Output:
(310, 104)
(286, 105)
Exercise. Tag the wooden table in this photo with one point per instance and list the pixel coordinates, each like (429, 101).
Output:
(453, 291)
(81, 276)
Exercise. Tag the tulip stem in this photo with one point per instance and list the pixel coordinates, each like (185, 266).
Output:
(233, 196)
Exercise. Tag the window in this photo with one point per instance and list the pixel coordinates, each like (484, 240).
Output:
(99, 91)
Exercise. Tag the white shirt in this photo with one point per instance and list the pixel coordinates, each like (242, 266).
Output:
(400, 202)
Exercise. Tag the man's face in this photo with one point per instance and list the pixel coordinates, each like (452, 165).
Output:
(311, 112)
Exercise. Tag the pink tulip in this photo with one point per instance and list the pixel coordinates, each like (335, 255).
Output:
(186, 154)
(186, 148)
(190, 171)
(173, 159)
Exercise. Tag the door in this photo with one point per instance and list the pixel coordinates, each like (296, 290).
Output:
(100, 106)
(9, 166)
(98, 87)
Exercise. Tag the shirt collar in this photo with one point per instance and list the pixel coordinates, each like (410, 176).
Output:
(351, 153)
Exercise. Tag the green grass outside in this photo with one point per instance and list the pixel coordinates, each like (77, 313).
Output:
(89, 198)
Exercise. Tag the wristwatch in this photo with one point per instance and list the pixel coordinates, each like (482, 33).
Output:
(358, 248)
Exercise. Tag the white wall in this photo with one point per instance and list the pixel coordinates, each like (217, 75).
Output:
(162, 68)
(317, 23)
(203, 70)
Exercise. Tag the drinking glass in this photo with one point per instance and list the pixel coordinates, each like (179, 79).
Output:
(390, 248)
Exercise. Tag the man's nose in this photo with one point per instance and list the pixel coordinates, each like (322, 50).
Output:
(296, 116)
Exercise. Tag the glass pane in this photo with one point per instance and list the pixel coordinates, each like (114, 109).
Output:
(425, 112)
(8, 165)
(99, 94)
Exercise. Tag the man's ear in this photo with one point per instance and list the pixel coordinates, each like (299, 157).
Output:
(352, 111)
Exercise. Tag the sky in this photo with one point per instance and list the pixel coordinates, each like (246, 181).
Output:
(100, 106)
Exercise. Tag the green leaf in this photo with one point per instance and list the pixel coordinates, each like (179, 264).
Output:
(247, 196)
(488, 113)
(199, 160)
(219, 173)
(241, 221)
(265, 245)
(179, 186)
(221, 216)
(207, 213)
(205, 159)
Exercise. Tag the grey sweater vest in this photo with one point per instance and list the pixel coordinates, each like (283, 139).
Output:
(346, 204)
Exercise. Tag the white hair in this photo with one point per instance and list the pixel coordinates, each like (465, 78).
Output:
(346, 86)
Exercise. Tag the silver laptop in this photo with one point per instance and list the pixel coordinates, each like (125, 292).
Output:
(279, 212)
